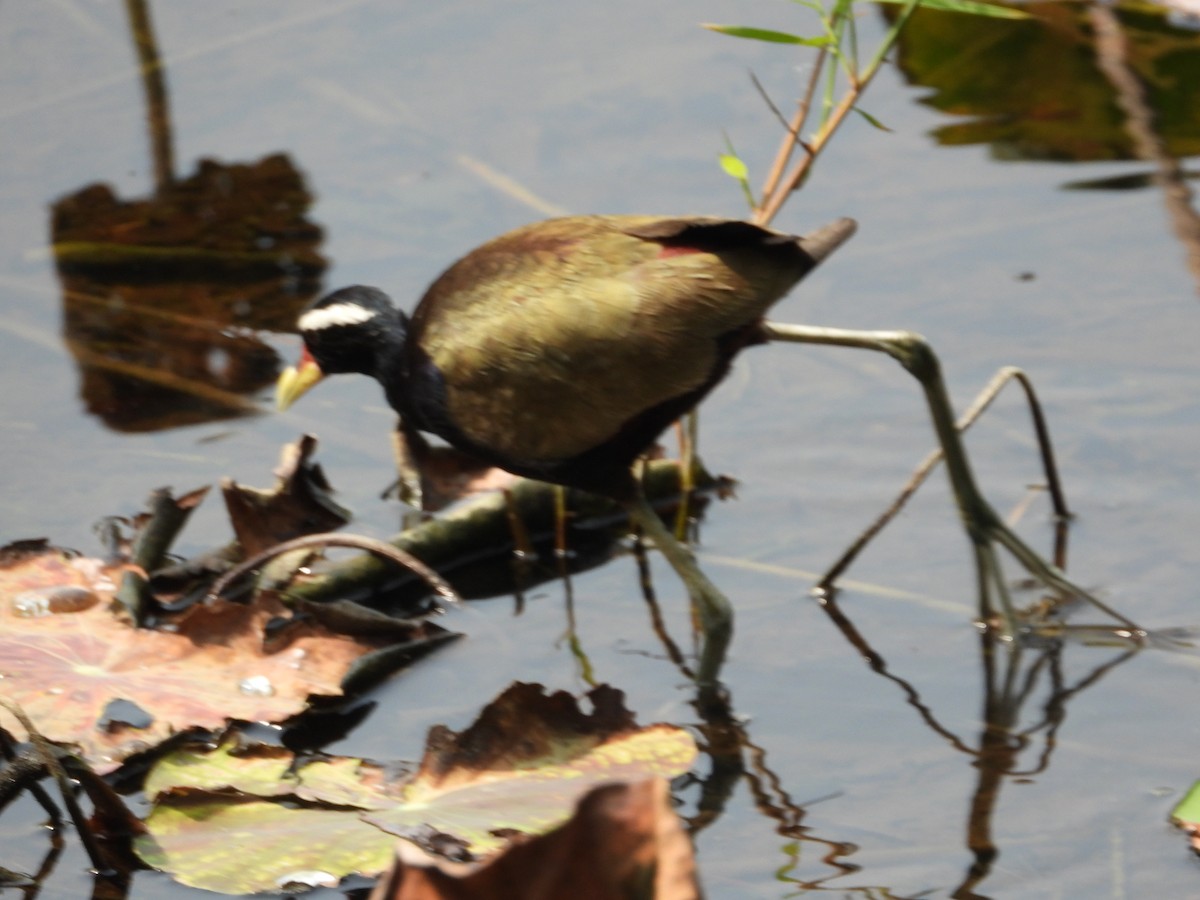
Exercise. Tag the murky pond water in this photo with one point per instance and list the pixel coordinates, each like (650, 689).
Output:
(1003, 221)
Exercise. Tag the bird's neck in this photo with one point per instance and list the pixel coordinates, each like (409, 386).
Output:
(389, 365)
(376, 347)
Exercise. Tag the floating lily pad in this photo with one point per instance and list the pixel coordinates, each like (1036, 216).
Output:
(242, 820)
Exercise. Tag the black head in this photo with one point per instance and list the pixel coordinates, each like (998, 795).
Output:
(354, 329)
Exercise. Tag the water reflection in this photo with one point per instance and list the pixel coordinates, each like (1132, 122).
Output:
(162, 295)
(1076, 83)
(1015, 675)
(1024, 700)
(1025, 694)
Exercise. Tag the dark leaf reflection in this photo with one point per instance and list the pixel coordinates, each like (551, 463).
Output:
(163, 296)
(1074, 83)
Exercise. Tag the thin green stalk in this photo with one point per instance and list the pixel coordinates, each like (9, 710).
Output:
(889, 41)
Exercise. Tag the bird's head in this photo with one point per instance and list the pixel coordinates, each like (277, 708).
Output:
(355, 329)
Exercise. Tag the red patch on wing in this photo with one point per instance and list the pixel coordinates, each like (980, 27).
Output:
(669, 250)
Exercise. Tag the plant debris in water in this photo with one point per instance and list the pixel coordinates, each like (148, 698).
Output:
(519, 770)
(73, 663)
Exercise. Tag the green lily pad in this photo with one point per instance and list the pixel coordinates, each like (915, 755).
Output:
(242, 820)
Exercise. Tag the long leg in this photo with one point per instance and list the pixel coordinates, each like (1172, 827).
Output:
(716, 614)
(981, 402)
(983, 525)
(409, 449)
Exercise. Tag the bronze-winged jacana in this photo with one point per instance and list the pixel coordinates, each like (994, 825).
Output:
(562, 349)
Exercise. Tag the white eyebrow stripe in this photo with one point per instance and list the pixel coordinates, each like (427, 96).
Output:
(331, 316)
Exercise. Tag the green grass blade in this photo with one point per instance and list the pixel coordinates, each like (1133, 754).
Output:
(766, 34)
(889, 40)
(870, 118)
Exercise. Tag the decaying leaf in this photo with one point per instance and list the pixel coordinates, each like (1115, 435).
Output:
(301, 502)
(89, 679)
(287, 822)
(525, 761)
(153, 533)
(255, 819)
(37, 579)
(624, 842)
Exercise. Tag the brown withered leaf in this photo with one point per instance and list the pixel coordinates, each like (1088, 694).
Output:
(523, 764)
(519, 771)
(300, 503)
(38, 579)
(623, 842)
(87, 678)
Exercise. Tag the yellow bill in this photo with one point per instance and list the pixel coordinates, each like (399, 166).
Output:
(295, 381)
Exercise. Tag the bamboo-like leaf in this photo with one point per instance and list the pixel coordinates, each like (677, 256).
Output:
(889, 40)
(766, 34)
(870, 118)
(842, 9)
(969, 7)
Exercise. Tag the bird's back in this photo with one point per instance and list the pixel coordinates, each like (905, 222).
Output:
(556, 339)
